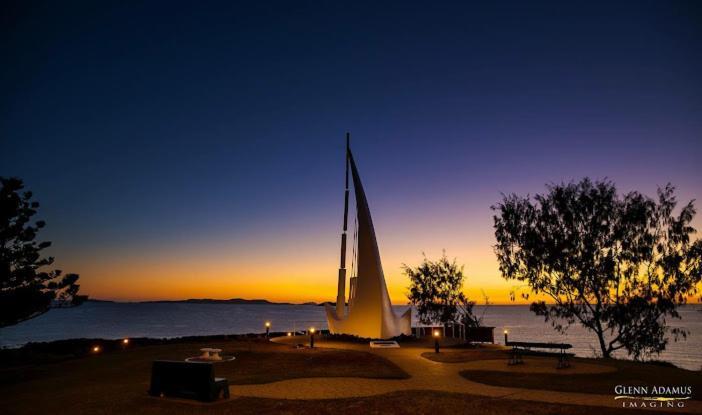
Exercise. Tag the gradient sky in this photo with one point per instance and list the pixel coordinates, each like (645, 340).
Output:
(184, 150)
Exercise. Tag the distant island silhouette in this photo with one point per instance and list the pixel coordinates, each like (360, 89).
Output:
(259, 301)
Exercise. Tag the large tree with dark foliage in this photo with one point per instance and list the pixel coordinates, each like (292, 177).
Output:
(619, 265)
(26, 290)
(436, 292)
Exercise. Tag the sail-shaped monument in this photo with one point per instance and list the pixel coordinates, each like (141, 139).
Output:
(369, 312)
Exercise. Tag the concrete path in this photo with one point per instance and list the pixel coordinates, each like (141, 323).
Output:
(429, 375)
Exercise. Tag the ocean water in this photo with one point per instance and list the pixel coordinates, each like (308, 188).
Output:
(163, 320)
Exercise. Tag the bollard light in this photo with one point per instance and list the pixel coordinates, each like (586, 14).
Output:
(125, 341)
(436, 341)
(96, 349)
(268, 328)
(311, 330)
(289, 334)
(506, 337)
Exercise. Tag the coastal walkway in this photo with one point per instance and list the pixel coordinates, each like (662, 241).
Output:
(426, 374)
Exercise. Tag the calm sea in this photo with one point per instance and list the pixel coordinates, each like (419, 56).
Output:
(162, 320)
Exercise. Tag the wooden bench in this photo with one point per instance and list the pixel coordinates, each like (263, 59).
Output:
(518, 348)
(190, 380)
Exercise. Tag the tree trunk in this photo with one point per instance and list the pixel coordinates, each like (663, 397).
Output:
(600, 335)
(606, 353)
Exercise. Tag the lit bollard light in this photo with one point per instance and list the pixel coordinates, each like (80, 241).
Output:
(506, 337)
(311, 337)
(268, 329)
(436, 341)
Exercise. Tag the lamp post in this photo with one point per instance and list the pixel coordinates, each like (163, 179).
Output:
(311, 337)
(506, 337)
(268, 329)
(436, 341)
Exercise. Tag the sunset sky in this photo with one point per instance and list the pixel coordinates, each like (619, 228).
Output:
(183, 151)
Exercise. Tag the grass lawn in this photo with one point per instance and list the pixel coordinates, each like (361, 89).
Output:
(113, 382)
(628, 373)
(405, 402)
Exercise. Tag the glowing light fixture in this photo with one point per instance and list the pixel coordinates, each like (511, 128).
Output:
(96, 349)
(311, 331)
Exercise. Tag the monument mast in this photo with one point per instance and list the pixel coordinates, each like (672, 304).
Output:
(341, 293)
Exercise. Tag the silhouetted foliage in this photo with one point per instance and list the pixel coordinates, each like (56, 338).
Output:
(618, 265)
(435, 291)
(466, 314)
(25, 290)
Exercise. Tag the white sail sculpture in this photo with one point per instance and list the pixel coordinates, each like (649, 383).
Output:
(369, 312)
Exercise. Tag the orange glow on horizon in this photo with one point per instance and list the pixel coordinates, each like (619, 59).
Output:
(295, 267)
(144, 285)
(179, 281)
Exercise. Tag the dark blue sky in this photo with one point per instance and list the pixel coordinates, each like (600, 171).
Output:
(172, 128)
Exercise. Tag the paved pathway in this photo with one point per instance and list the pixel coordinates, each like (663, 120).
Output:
(429, 375)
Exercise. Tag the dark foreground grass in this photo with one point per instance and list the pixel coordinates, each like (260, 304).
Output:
(119, 401)
(117, 381)
(400, 403)
(627, 373)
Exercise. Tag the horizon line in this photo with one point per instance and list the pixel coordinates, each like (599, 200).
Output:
(296, 303)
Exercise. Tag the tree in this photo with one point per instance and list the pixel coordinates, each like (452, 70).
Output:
(466, 315)
(25, 290)
(617, 265)
(435, 291)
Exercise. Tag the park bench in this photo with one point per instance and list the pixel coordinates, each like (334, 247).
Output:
(518, 348)
(191, 380)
